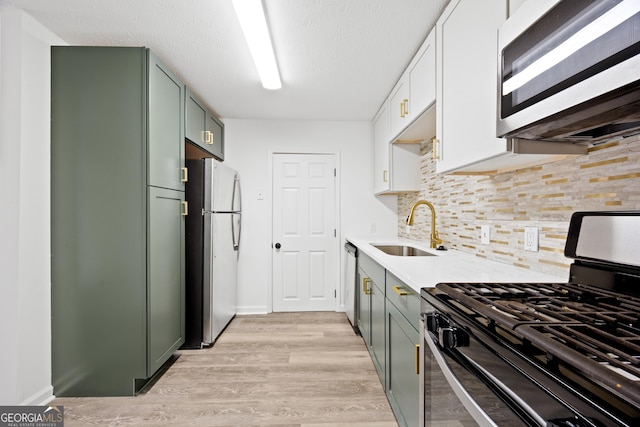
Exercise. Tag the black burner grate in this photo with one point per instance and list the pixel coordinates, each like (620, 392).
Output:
(594, 331)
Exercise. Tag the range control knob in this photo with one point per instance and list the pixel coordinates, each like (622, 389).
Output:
(452, 337)
(431, 322)
(447, 337)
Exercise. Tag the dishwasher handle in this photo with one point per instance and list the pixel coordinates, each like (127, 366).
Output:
(350, 248)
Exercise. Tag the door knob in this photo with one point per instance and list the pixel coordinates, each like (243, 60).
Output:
(278, 245)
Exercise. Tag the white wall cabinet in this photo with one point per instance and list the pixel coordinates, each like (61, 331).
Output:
(415, 91)
(466, 76)
(381, 181)
(404, 120)
(396, 166)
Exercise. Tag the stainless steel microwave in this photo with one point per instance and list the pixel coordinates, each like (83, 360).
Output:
(569, 71)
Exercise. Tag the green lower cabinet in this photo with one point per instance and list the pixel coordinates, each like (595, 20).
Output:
(165, 287)
(370, 312)
(378, 336)
(388, 316)
(403, 379)
(363, 310)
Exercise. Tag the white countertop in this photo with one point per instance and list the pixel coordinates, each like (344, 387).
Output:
(446, 266)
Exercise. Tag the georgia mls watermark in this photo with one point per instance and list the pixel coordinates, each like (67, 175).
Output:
(31, 416)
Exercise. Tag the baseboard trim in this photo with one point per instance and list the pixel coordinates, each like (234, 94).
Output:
(245, 310)
(41, 398)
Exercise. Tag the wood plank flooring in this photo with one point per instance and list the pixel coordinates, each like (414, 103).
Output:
(279, 369)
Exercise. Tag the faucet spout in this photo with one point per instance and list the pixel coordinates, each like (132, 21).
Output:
(435, 240)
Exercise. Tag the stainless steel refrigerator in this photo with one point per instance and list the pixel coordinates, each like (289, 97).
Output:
(213, 240)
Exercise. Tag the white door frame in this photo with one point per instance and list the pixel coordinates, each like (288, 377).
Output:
(339, 291)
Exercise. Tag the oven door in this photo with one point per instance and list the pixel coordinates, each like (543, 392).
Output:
(470, 377)
(455, 396)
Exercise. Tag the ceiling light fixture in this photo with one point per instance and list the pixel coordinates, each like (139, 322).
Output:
(254, 26)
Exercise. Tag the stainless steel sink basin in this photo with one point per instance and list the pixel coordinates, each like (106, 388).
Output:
(402, 250)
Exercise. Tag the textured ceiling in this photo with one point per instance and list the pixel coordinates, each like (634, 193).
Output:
(338, 58)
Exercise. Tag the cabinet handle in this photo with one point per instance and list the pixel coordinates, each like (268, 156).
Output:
(434, 149)
(402, 109)
(399, 291)
(385, 175)
(185, 174)
(406, 106)
(209, 139)
(417, 359)
(203, 136)
(365, 285)
(185, 208)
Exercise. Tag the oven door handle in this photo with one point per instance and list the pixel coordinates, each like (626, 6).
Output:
(474, 409)
(529, 410)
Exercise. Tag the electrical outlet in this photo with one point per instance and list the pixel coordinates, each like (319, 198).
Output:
(531, 239)
(485, 234)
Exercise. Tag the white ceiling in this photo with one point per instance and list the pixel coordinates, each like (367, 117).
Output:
(338, 58)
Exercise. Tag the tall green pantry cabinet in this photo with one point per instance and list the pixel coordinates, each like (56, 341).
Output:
(117, 209)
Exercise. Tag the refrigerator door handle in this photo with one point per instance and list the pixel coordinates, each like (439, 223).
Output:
(236, 190)
(236, 237)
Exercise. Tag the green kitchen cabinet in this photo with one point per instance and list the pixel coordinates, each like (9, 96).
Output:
(363, 308)
(371, 306)
(403, 341)
(165, 281)
(165, 138)
(202, 127)
(117, 224)
(378, 329)
(216, 129)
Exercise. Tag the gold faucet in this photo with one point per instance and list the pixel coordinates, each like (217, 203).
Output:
(435, 240)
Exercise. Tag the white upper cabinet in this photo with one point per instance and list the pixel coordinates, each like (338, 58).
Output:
(416, 89)
(381, 150)
(396, 166)
(406, 118)
(467, 93)
(466, 76)
(399, 105)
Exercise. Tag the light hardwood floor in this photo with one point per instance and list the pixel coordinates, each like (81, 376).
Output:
(280, 369)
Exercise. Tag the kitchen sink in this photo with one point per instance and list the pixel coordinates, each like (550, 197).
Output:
(402, 250)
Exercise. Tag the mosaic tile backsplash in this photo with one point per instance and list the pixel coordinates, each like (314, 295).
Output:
(545, 196)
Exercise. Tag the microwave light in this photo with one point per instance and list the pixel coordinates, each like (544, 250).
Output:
(580, 39)
(250, 13)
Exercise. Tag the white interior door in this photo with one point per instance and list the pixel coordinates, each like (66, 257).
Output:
(304, 232)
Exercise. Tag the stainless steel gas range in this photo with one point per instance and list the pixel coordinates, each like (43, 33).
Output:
(539, 354)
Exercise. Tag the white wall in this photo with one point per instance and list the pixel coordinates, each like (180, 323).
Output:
(25, 267)
(249, 145)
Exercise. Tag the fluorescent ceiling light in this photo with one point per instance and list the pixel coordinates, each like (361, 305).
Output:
(254, 26)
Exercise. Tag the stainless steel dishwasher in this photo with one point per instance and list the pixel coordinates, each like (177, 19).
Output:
(350, 284)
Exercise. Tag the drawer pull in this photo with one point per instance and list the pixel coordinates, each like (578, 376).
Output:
(417, 358)
(365, 285)
(399, 291)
